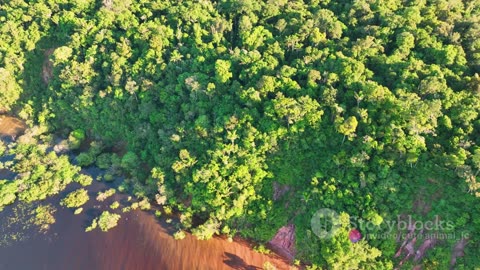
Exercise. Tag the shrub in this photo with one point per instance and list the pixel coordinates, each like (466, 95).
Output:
(108, 220)
(115, 205)
(104, 161)
(8, 190)
(85, 159)
(44, 216)
(261, 249)
(76, 198)
(108, 177)
(76, 138)
(84, 180)
(129, 161)
(102, 196)
(92, 226)
(179, 235)
(3, 148)
(144, 204)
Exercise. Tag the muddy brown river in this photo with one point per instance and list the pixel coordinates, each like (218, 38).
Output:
(140, 241)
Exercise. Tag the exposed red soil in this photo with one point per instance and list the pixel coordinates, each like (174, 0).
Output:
(284, 241)
(458, 251)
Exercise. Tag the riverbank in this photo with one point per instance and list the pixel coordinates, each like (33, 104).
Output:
(140, 241)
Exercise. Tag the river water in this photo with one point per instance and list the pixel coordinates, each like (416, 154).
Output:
(140, 241)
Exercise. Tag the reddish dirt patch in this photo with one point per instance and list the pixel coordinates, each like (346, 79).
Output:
(417, 243)
(284, 242)
(458, 251)
(426, 245)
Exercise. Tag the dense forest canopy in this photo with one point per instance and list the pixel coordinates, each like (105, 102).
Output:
(365, 107)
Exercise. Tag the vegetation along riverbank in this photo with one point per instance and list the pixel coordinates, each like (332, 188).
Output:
(257, 119)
